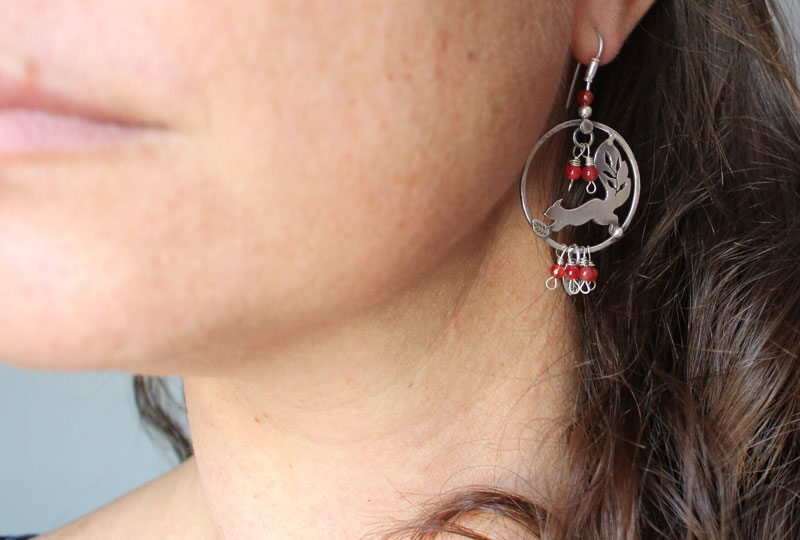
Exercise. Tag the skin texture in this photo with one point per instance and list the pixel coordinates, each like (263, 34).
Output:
(322, 235)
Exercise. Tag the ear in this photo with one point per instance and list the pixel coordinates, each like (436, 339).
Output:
(614, 19)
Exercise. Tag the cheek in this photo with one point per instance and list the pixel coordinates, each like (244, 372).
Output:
(114, 266)
(372, 142)
(332, 161)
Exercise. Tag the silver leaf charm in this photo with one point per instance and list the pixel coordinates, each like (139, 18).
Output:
(540, 228)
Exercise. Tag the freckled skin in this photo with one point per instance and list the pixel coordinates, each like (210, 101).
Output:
(364, 140)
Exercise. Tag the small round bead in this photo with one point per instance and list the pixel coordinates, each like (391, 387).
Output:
(573, 272)
(573, 172)
(589, 173)
(585, 97)
(557, 271)
(616, 231)
(589, 273)
(584, 111)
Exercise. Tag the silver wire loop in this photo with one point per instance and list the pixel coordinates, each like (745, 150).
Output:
(587, 144)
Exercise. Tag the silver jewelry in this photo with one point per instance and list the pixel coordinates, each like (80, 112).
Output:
(613, 164)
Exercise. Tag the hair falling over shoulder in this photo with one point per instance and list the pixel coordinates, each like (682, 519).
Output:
(686, 422)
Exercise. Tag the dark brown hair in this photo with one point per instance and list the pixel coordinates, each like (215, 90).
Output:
(687, 414)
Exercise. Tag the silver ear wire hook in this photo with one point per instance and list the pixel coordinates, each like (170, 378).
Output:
(572, 86)
(591, 71)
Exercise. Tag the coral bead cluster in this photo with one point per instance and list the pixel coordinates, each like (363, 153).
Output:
(585, 272)
(588, 172)
(575, 269)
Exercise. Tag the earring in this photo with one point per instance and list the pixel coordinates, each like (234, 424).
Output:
(612, 164)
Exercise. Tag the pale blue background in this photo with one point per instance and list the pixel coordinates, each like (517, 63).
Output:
(70, 443)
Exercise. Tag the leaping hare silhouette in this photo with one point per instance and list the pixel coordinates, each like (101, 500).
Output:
(613, 174)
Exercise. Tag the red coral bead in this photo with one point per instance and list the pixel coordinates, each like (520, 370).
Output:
(589, 173)
(573, 172)
(557, 271)
(589, 273)
(585, 97)
(573, 272)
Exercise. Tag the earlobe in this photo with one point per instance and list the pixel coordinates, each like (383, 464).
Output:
(614, 19)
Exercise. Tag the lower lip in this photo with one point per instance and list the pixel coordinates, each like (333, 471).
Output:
(29, 131)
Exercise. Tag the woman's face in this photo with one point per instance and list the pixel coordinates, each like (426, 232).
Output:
(315, 157)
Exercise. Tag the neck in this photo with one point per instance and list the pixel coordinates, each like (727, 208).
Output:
(452, 382)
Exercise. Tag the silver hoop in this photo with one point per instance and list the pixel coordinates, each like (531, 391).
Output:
(614, 139)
